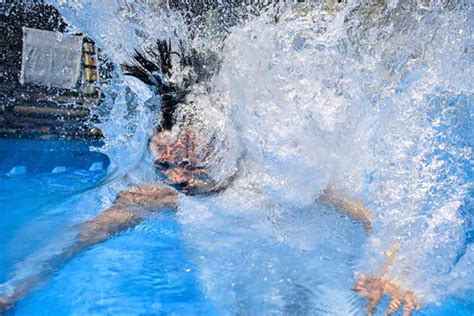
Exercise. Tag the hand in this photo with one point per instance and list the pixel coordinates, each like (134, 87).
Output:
(374, 288)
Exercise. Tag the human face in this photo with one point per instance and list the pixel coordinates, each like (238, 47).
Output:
(176, 158)
(161, 145)
(166, 146)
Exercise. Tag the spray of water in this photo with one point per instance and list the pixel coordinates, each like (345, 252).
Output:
(374, 100)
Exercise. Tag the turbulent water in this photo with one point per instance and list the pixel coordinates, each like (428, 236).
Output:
(376, 101)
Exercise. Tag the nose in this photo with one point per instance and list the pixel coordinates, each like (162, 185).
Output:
(160, 150)
(166, 154)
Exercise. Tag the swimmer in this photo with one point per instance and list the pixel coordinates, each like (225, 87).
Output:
(177, 159)
(184, 170)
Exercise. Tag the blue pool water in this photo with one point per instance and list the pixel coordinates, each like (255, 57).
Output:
(147, 270)
(375, 100)
(143, 271)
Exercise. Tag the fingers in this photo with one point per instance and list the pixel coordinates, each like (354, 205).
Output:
(370, 289)
(374, 300)
(394, 306)
(375, 288)
(410, 304)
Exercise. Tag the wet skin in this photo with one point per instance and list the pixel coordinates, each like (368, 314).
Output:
(373, 289)
(129, 209)
(177, 159)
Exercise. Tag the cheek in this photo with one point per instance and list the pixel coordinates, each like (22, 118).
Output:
(158, 150)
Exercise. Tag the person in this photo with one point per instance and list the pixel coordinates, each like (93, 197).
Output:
(184, 169)
(176, 157)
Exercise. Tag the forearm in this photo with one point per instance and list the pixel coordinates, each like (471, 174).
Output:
(377, 284)
(129, 209)
(355, 209)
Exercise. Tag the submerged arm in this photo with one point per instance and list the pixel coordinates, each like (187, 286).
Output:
(129, 209)
(377, 285)
(374, 287)
(355, 209)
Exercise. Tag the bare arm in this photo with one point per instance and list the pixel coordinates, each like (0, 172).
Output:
(373, 288)
(377, 285)
(355, 209)
(129, 209)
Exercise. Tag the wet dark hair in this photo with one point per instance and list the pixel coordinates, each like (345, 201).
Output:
(153, 66)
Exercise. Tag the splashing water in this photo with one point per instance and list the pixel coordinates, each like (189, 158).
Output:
(375, 100)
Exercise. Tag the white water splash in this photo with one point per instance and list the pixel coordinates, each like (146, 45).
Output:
(376, 110)
(374, 100)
